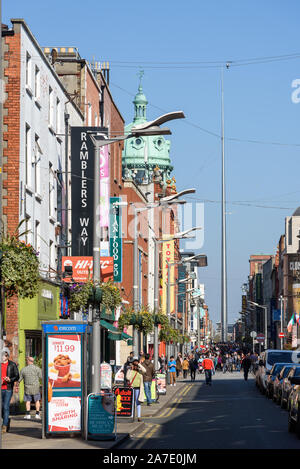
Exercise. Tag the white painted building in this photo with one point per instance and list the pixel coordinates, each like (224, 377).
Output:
(45, 108)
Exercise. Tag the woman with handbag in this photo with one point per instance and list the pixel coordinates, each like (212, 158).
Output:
(135, 380)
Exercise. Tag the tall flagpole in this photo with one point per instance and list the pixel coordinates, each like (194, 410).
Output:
(224, 256)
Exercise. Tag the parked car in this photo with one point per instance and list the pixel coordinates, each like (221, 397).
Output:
(271, 376)
(286, 385)
(268, 358)
(278, 382)
(294, 406)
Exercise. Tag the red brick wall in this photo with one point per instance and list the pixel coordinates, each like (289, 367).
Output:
(11, 150)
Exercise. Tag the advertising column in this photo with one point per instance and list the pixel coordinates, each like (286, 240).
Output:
(65, 376)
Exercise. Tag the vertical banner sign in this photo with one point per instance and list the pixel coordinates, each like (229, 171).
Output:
(104, 187)
(168, 256)
(115, 237)
(82, 189)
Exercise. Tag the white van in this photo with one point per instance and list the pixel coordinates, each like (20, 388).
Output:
(270, 357)
(267, 360)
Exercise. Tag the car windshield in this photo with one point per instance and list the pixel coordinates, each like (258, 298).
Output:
(277, 368)
(286, 371)
(282, 357)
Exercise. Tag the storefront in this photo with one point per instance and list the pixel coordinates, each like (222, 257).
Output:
(43, 307)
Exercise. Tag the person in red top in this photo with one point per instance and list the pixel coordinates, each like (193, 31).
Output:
(9, 375)
(208, 366)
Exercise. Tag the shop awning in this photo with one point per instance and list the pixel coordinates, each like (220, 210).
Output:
(110, 327)
(115, 333)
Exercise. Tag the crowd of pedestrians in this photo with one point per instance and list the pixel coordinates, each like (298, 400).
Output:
(220, 357)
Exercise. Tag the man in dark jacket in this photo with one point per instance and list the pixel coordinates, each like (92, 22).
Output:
(126, 367)
(9, 375)
(193, 365)
(246, 365)
(150, 373)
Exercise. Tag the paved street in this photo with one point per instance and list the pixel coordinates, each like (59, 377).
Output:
(231, 414)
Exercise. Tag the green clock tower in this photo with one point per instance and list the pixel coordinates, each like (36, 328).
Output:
(145, 159)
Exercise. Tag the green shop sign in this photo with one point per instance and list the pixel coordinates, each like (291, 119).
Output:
(115, 237)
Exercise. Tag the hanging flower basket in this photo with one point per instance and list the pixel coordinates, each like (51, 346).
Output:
(19, 266)
(160, 318)
(80, 296)
(141, 320)
(111, 296)
(83, 294)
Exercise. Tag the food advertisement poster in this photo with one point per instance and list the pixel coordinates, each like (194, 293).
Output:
(64, 361)
(64, 414)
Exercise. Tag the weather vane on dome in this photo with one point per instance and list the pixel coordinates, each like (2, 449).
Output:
(140, 75)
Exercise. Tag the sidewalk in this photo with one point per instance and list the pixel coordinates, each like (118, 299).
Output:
(27, 434)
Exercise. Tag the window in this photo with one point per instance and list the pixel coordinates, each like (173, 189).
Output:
(89, 114)
(28, 163)
(37, 235)
(290, 232)
(28, 230)
(37, 165)
(50, 113)
(51, 193)
(28, 70)
(58, 119)
(37, 83)
(51, 260)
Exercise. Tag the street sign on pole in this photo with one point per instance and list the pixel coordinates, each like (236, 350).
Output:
(253, 334)
(281, 335)
(260, 338)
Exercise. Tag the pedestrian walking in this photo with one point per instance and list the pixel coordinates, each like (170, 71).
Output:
(178, 366)
(162, 361)
(246, 365)
(185, 367)
(148, 377)
(10, 375)
(126, 367)
(136, 381)
(172, 370)
(193, 365)
(32, 376)
(209, 368)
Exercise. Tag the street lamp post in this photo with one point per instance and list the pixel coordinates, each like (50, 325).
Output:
(266, 320)
(281, 321)
(100, 139)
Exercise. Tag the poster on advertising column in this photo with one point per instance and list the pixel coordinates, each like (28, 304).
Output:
(64, 361)
(64, 414)
(168, 249)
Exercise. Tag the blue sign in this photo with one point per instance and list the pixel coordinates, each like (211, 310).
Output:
(276, 314)
(64, 328)
(101, 416)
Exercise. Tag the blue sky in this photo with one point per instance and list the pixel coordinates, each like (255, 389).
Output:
(262, 178)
